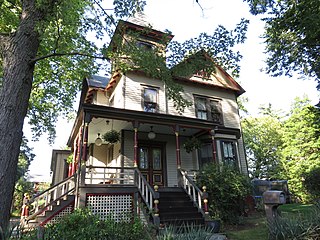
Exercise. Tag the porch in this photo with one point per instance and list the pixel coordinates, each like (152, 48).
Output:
(121, 193)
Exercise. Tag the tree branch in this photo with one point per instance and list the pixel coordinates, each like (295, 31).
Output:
(68, 54)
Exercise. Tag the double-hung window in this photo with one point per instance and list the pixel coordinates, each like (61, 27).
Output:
(208, 109)
(229, 153)
(150, 99)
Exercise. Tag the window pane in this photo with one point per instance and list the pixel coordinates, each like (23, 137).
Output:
(156, 154)
(229, 154)
(143, 159)
(150, 95)
(150, 107)
(216, 111)
(201, 104)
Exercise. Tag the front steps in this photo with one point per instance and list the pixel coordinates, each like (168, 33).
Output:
(176, 208)
(59, 209)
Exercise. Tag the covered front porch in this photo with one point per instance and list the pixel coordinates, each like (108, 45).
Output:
(151, 142)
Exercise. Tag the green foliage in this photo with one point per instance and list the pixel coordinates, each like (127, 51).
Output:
(301, 152)
(191, 144)
(292, 35)
(311, 183)
(82, 224)
(263, 144)
(185, 232)
(112, 136)
(227, 189)
(300, 227)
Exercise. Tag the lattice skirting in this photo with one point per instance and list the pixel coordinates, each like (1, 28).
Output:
(118, 207)
(57, 217)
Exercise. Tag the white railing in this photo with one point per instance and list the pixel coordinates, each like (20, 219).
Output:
(149, 195)
(45, 200)
(109, 175)
(200, 198)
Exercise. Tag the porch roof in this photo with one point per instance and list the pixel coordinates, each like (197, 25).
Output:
(89, 110)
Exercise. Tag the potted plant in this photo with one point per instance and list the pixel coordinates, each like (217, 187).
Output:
(191, 144)
(112, 136)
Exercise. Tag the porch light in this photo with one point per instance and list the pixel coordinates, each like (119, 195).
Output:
(98, 140)
(151, 134)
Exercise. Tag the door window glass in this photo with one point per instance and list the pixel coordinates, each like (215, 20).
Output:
(143, 160)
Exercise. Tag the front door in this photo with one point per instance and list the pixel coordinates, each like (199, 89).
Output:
(151, 163)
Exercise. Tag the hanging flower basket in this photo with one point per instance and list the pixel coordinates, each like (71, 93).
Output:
(111, 137)
(191, 144)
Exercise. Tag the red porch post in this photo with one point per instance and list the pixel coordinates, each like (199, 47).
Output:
(178, 156)
(85, 142)
(135, 146)
(214, 150)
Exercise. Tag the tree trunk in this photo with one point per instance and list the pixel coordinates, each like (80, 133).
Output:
(17, 51)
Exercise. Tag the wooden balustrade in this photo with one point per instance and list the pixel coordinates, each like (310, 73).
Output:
(44, 200)
(200, 198)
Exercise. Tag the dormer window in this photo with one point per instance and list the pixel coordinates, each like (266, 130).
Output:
(150, 99)
(208, 109)
(144, 45)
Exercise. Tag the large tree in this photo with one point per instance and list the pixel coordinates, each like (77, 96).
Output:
(263, 143)
(301, 151)
(45, 55)
(292, 36)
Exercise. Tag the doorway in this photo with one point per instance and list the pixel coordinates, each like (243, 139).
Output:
(151, 163)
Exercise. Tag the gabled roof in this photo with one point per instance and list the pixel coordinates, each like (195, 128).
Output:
(199, 61)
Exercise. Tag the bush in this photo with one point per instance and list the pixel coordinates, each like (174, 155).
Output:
(227, 189)
(301, 227)
(84, 225)
(312, 184)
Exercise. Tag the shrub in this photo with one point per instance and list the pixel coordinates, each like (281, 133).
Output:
(185, 232)
(301, 227)
(84, 225)
(227, 189)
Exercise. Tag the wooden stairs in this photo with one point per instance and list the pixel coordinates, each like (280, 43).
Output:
(53, 213)
(176, 208)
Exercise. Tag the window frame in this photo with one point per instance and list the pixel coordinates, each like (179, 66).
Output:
(144, 102)
(225, 161)
(209, 108)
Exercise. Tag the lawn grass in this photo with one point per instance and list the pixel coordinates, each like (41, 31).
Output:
(255, 225)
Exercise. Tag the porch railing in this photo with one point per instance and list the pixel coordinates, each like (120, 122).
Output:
(149, 195)
(199, 197)
(109, 175)
(45, 200)
(126, 176)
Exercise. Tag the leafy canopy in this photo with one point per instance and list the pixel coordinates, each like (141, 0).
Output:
(292, 34)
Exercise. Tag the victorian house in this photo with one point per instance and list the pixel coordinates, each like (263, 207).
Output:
(134, 152)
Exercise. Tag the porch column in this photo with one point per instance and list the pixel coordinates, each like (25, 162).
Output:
(214, 150)
(135, 146)
(178, 157)
(85, 141)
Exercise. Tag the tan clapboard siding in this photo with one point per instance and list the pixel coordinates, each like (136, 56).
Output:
(228, 104)
(134, 86)
(128, 150)
(117, 97)
(101, 98)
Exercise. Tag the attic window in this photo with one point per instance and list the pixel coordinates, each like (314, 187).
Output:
(150, 99)
(202, 74)
(144, 45)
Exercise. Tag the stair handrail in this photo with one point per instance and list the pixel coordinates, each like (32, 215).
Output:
(199, 197)
(51, 196)
(149, 195)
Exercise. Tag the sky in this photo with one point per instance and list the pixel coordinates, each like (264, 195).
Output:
(186, 19)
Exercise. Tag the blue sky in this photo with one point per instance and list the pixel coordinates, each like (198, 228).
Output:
(186, 19)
